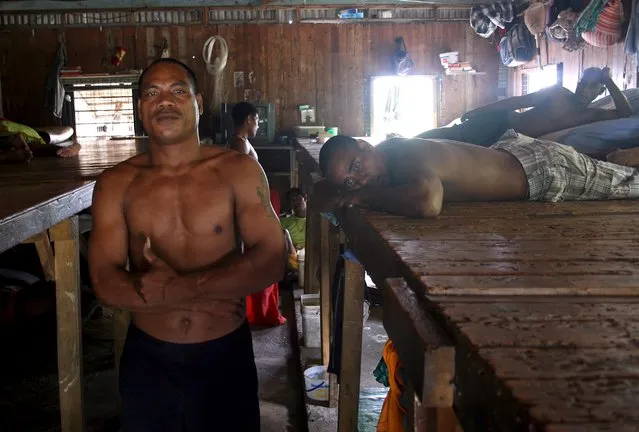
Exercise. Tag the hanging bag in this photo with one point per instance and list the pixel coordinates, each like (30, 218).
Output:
(402, 63)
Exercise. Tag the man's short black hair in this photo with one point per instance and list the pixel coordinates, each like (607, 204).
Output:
(332, 146)
(292, 192)
(242, 111)
(188, 70)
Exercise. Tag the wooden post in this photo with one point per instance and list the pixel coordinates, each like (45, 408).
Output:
(67, 271)
(351, 348)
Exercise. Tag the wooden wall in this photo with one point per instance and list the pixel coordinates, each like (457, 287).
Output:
(623, 68)
(324, 65)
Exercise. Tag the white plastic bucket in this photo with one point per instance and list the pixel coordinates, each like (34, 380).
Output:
(316, 383)
(310, 306)
(301, 254)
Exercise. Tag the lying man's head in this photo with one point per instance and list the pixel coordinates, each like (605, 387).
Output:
(297, 201)
(350, 163)
(590, 86)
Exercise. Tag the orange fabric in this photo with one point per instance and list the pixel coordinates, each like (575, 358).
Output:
(391, 418)
(262, 308)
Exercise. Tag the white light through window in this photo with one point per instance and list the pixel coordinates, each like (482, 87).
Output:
(535, 80)
(404, 105)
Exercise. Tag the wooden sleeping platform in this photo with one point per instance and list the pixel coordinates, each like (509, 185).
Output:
(521, 315)
(39, 203)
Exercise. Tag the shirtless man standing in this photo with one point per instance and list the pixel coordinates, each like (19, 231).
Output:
(553, 109)
(246, 120)
(196, 227)
(412, 177)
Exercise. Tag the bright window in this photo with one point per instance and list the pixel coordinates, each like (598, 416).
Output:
(104, 112)
(537, 79)
(404, 105)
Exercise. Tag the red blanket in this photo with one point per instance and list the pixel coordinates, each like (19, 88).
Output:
(262, 308)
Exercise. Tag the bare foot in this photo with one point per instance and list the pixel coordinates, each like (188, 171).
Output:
(70, 151)
(628, 157)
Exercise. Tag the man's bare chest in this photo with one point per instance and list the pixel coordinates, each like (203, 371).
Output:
(175, 207)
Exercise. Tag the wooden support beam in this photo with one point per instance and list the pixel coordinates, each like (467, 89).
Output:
(45, 253)
(427, 354)
(312, 255)
(351, 347)
(329, 254)
(68, 300)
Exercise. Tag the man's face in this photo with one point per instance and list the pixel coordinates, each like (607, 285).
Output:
(587, 91)
(168, 107)
(253, 124)
(298, 204)
(358, 166)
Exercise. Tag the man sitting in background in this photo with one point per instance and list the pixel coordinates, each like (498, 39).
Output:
(246, 120)
(20, 143)
(413, 177)
(552, 109)
(295, 223)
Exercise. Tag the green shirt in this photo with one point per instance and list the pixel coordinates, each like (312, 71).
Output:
(296, 227)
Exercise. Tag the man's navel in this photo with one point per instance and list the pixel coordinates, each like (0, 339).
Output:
(185, 324)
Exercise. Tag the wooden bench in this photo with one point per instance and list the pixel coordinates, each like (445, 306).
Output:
(40, 202)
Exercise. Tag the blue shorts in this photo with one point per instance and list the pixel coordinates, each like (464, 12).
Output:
(202, 387)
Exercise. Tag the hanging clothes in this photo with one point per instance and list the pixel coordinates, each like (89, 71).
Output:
(631, 45)
(54, 97)
(263, 308)
(589, 16)
(607, 31)
(485, 19)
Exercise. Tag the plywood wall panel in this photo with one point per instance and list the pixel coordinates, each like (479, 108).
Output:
(325, 65)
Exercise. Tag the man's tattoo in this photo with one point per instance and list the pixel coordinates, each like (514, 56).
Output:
(262, 193)
(137, 285)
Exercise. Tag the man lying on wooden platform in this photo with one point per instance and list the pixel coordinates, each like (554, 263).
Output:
(20, 143)
(553, 109)
(414, 176)
(198, 231)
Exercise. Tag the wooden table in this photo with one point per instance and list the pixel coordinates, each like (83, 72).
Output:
(39, 202)
(494, 294)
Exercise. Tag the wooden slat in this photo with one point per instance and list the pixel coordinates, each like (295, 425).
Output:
(626, 285)
(624, 250)
(562, 363)
(579, 401)
(557, 310)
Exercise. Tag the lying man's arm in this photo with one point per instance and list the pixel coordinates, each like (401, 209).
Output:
(108, 251)
(622, 106)
(419, 199)
(264, 259)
